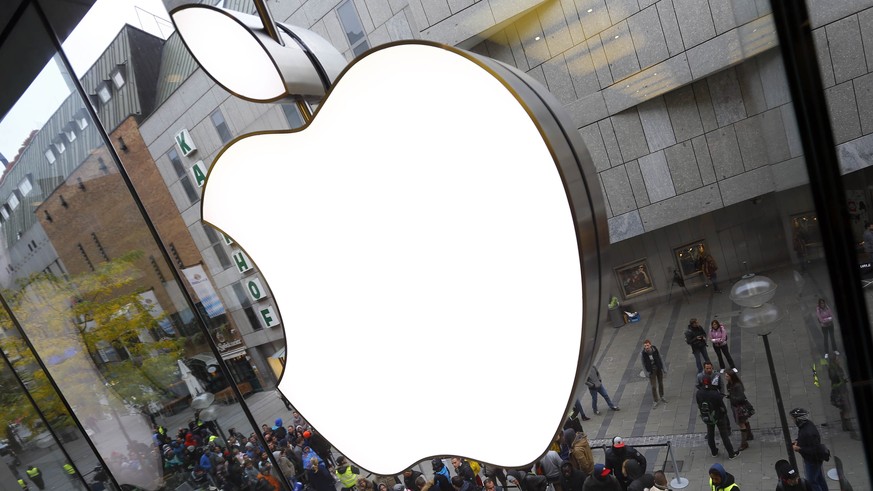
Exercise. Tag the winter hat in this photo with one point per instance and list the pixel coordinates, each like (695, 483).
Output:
(436, 464)
(307, 434)
(399, 487)
(618, 442)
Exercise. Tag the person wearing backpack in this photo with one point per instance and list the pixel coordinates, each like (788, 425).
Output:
(710, 403)
(809, 446)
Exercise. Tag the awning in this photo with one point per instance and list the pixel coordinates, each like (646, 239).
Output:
(279, 354)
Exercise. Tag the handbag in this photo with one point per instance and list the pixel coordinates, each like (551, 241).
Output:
(745, 410)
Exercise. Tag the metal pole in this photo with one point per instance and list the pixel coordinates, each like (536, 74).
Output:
(678, 482)
(779, 406)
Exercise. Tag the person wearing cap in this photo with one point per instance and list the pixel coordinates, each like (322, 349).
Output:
(721, 480)
(595, 386)
(710, 403)
(809, 446)
(441, 477)
(654, 366)
(789, 478)
(601, 479)
(347, 474)
(618, 454)
(321, 446)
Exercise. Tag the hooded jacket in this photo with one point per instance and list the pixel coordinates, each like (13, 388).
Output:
(581, 456)
(599, 482)
(571, 479)
(727, 479)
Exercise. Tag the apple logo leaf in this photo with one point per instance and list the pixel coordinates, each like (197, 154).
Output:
(432, 238)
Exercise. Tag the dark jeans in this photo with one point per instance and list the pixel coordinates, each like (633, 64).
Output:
(700, 354)
(724, 430)
(815, 475)
(828, 330)
(602, 391)
(656, 378)
(727, 354)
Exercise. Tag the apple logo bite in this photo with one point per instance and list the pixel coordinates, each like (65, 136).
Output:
(432, 238)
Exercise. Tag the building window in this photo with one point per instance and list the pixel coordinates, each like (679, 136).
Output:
(221, 126)
(217, 244)
(117, 77)
(82, 120)
(184, 180)
(59, 146)
(292, 115)
(247, 307)
(351, 22)
(70, 134)
(13, 201)
(50, 156)
(25, 186)
(104, 93)
(4, 212)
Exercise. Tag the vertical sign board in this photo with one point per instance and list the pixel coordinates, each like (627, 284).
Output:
(255, 289)
(184, 143)
(199, 170)
(268, 316)
(242, 262)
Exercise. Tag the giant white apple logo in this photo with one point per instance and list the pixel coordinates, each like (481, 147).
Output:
(432, 239)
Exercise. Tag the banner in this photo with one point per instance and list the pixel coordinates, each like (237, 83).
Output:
(150, 302)
(203, 288)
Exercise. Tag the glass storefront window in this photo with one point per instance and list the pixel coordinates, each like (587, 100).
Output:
(123, 311)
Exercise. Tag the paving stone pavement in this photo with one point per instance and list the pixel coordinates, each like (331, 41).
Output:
(796, 346)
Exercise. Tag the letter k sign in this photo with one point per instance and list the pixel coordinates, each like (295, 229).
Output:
(185, 144)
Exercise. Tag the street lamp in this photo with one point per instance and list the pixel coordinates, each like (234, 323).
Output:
(753, 293)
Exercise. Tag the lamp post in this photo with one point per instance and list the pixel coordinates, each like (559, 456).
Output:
(753, 293)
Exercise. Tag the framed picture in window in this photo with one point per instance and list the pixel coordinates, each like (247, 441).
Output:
(688, 258)
(634, 278)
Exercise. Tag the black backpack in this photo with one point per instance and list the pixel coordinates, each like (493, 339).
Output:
(707, 414)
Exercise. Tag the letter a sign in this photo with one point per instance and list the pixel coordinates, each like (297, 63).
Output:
(185, 143)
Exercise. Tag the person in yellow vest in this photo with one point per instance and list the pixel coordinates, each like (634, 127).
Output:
(70, 472)
(721, 480)
(23, 484)
(346, 473)
(35, 475)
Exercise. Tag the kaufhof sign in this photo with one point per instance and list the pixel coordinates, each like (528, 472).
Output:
(265, 313)
(436, 199)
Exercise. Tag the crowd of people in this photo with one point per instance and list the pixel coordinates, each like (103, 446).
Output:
(306, 460)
